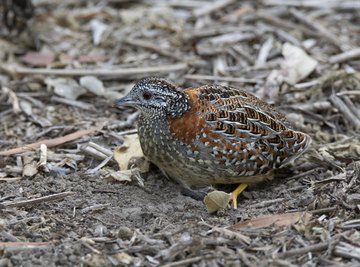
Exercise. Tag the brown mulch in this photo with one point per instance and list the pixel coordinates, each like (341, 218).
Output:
(63, 64)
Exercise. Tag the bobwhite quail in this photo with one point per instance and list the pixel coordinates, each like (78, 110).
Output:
(212, 134)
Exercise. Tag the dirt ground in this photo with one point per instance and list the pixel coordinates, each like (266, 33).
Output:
(301, 56)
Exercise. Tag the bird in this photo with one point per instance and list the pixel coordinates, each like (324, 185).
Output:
(212, 134)
(16, 13)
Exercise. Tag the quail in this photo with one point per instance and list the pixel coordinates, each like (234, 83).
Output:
(16, 13)
(212, 134)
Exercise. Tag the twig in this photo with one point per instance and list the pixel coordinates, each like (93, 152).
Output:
(115, 73)
(322, 211)
(50, 142)
(94, 208)
(123, 124)
(345, 110)
(12, 179)
(264, 51)
(25, 245)
(153, 47)
(73, 103)
(347, 251)
(342, 5)
(282, 23)
(9, 237)
(288, 37)
(211, 7)
(55, 127)
(266, 203)
(94, 152)
(103, 150)
(301, 16)
(42, 164)
(345, 56)
(37, 200)
(87, 243)
(186, 262)
(219, 78)
(102, 164)
(185, 241)
(13, 98)
(245, 239)
(304, 250)
(132, 131)
(350, 92)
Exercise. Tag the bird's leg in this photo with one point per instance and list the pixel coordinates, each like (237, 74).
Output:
(194, 194)
(236, 193)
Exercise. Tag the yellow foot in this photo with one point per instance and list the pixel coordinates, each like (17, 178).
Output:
(236, 193)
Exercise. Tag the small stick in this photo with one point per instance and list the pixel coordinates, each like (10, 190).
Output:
(42, 164)
(323, 210)
(12, 179)
(154, 48)
(238, 49)
(86, 242)
(123, 124)
(93, 152)
(13, 98)
(38, 200)
(266, 203)
(264, 51)
(218, 78)
(349, 103)
(102, 164)
(50, 142)
(350, 92)
(331, 4)
(345, 110)
(301, 16)
(187, 261)
(345, 56)
(304, 250)
(133, 131)
(94, 207)
(73, 103)
(103, 150)
(24, 244)
(228, 232)
(116, 73)
(8, 236)
(347, 251)
(288, 37)
(211, 7)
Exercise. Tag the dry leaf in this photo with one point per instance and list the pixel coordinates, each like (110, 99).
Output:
(121, 176)
(284, 219)
(216, 200)
(98, 28)
(297, 64)
(30, 168)
(67, 88)
(93, 84)
(37, 58)
(95, 260)
(123, 257)
(129, 150)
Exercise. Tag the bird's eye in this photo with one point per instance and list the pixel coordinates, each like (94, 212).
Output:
(147, 95)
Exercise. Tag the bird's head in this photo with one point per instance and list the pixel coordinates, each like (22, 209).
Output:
(155, 96)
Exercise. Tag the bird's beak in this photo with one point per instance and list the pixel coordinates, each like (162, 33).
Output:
(124, 101)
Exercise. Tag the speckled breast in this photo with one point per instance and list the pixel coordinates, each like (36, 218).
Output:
(178, 161)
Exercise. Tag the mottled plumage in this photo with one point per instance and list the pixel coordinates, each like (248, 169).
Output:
(212, 134)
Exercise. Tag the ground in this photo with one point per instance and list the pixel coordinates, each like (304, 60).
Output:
(300, 56)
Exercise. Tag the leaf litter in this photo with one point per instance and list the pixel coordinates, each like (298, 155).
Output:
(62, 66)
